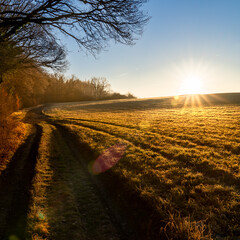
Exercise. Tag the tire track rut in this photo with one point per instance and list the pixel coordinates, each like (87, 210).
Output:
(99, 219)
(177, 140)
(206, 168)
(15, 186)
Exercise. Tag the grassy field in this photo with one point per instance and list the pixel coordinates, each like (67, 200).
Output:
(179, 174)
(163, 168)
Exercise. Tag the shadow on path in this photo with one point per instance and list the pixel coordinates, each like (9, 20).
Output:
(15, 186)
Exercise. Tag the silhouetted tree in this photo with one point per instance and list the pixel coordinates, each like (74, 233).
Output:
(10, 57)
(40, 47)
(32, 55)
(90, 22)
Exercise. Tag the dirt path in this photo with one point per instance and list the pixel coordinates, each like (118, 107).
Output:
(78, 207)
(15, 186)
(97, 219)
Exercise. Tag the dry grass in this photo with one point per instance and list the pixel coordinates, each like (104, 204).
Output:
(12, 133)
(182, 162)
(38, 222)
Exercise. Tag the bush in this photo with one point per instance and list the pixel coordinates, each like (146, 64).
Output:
(10, 130)
(8, 104)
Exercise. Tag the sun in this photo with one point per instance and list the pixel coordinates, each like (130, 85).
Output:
(192, 76)
(192, 84)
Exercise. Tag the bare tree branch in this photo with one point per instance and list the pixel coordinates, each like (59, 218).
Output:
(94, 20)
(91, 23)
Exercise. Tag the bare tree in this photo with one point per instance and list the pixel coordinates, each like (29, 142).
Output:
(90, 22)
(10, 57)
(40, 47)
(100, 87)
(33, 49)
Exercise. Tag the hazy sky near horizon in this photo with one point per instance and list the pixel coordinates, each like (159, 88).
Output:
(183, 38)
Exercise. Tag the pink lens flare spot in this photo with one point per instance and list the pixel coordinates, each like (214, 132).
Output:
(108, 158)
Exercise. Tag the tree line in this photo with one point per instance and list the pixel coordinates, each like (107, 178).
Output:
(33, 86)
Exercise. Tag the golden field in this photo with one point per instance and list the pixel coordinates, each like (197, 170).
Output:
(180, 167)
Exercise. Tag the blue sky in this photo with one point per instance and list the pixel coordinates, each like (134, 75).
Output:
(185, 39)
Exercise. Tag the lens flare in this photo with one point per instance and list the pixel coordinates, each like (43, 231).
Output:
(108, 158)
